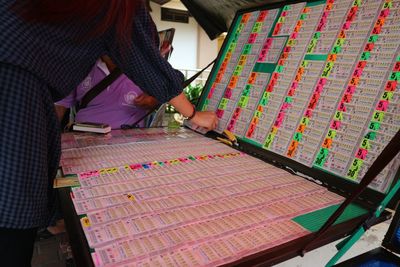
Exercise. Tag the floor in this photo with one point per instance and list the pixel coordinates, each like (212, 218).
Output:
(319, 257)
(55, 251)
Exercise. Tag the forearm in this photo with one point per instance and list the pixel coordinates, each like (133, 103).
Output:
(206, 119)
(182, 105)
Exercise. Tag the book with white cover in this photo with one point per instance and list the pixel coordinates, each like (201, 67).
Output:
(92, 127)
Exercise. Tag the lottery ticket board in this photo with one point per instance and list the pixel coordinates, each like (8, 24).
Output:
(316, 82)
(153, 201)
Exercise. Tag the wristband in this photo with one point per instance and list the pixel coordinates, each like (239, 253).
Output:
(193, 114)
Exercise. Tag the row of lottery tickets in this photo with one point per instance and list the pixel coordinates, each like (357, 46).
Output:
(71, 140)
(317, 83)
(165, 207)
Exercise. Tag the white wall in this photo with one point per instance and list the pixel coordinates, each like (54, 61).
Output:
(184, 55)
(207, 50)
(192, 47)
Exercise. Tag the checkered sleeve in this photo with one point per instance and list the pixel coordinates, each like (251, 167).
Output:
(144, 65)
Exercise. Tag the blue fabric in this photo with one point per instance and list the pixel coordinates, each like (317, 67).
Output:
(29, 151)
(39, 65)
(377, 263)
(55, 55)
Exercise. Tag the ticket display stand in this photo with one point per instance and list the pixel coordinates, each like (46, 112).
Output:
(384, 255)
(309, 90)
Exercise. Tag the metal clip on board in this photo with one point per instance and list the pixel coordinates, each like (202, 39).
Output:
(229, 140)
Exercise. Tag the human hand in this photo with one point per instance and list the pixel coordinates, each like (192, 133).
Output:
(205, 119)
(145, 101)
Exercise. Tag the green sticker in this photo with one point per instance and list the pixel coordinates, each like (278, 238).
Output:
(264, 102)
(395, 76)
(370, 135)
(246, 92)
(327, 70)
(269, 140)
(255, 30)
(246, 51)
(340, 42)
(398, 58)
(257, 27)
(365, 144)
(331, 134)
(310, 49)
(325, 74)
(305, 121)
(317, 35)
(387, 96)
(357, 3)
(236, 73)
(321, 157)
(365, 55)
(279, 69)
(243, 101)
(374, 126)
(304, 63)
(281, 20)
(286, 8)
(258, 114)
(247, 46)
(303, 16)
(266, 95)
(373, 38)
(313, 42)
(329, 65)
(336, 50)
(354, 168)
(223, 103)
(288, 99)
(291, 42)
(378, 116)
(339, 115)
(357, 163)
(388, 5)
(238, 68)
(298, 136)
(352, 173)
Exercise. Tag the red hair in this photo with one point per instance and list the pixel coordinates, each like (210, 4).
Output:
(117, 13)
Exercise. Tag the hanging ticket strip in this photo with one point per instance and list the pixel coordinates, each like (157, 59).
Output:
(212, 207)
(324, 89)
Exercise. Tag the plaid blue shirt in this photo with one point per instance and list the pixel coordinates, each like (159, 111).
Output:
(40, 64)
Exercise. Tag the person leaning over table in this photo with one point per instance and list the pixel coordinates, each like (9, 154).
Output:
(47, 48)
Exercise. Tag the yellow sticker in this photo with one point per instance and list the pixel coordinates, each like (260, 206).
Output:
(85, 222)
(131, 197)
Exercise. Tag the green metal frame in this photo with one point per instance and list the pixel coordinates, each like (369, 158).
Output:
(347, 243)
